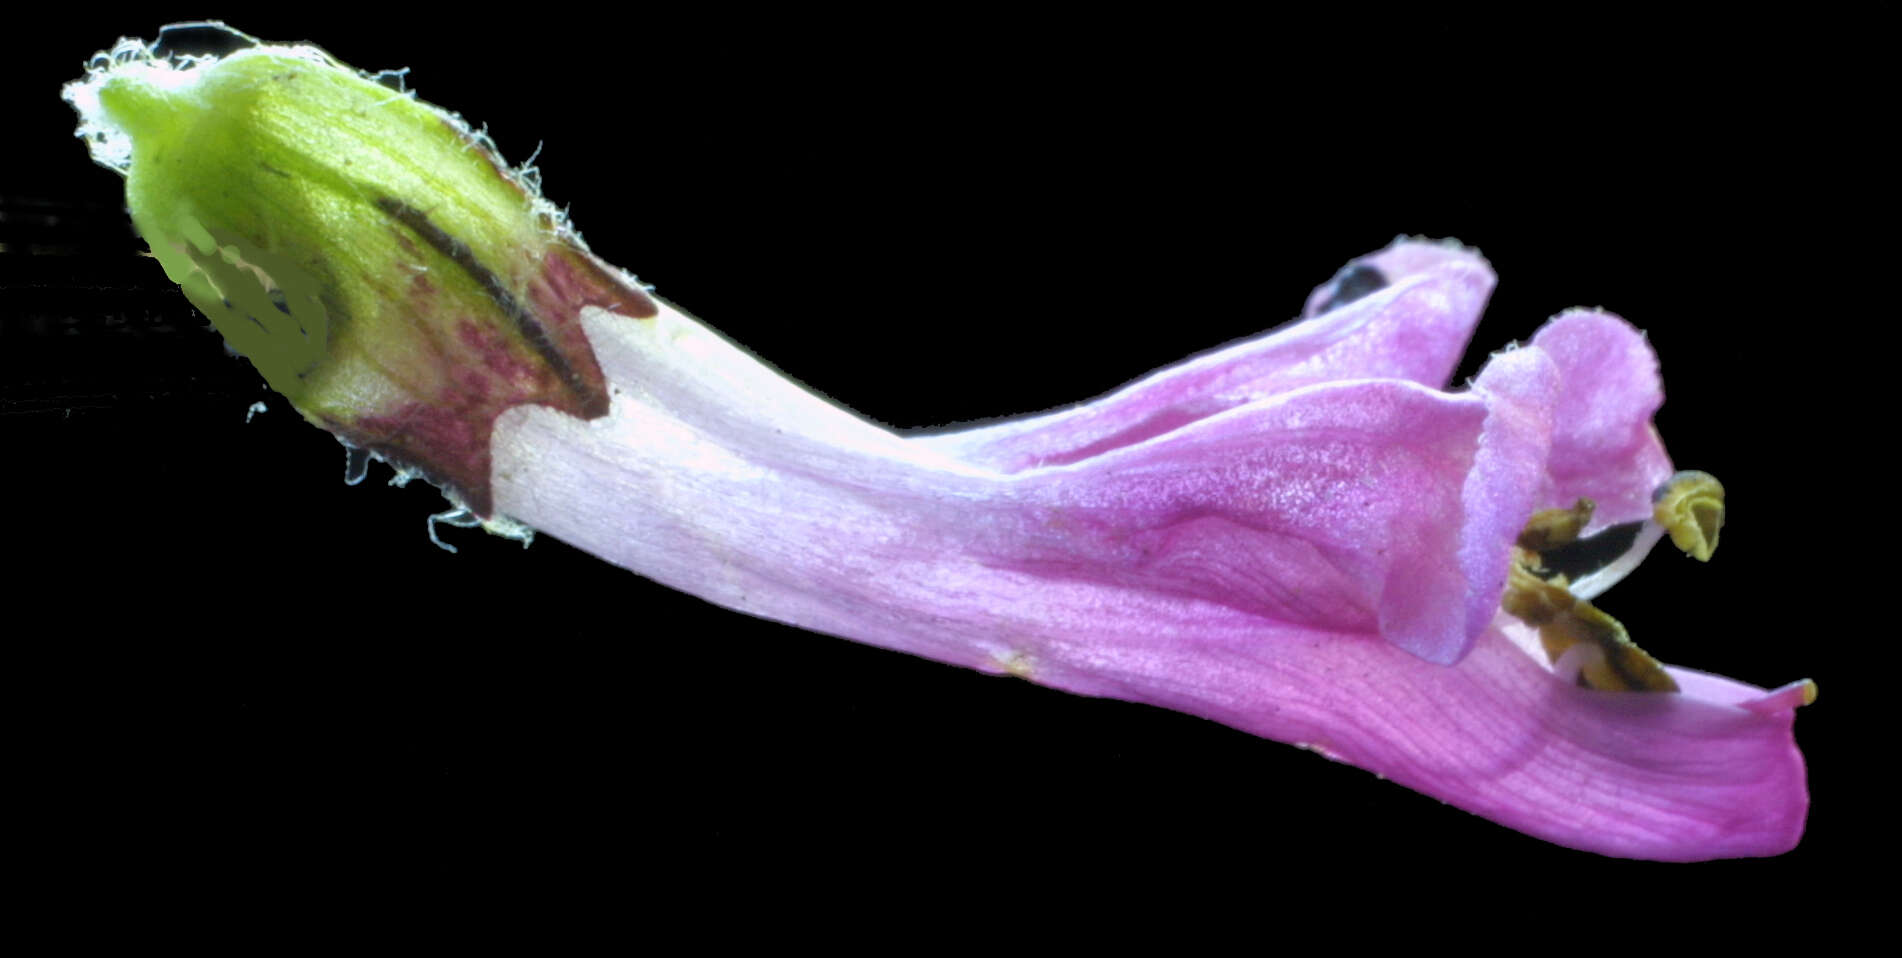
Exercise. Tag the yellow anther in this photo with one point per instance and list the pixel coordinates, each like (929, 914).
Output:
(1551, 528)
(1615, 663)
(1690, 506)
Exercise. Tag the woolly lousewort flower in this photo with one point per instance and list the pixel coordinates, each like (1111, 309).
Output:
(1302, 535)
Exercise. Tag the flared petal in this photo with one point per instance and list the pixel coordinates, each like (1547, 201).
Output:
(1604, 447)
(1521, 389)
(1414, 328)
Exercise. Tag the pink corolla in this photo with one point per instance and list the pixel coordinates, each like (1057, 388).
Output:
(1305, 535)
(1302, 536)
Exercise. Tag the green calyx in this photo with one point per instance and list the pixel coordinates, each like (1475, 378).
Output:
(255, 179)
(365, 250)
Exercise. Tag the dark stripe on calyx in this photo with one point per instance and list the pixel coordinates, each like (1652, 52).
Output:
(458, 252)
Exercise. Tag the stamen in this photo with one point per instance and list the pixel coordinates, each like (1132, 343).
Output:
(1550, 528)
(1589, 564)
(1555, 572)
(1690, 506)
(1612, 661)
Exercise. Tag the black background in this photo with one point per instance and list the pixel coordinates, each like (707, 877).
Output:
(220, 653)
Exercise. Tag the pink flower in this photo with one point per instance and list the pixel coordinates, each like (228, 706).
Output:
(1302, 536)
